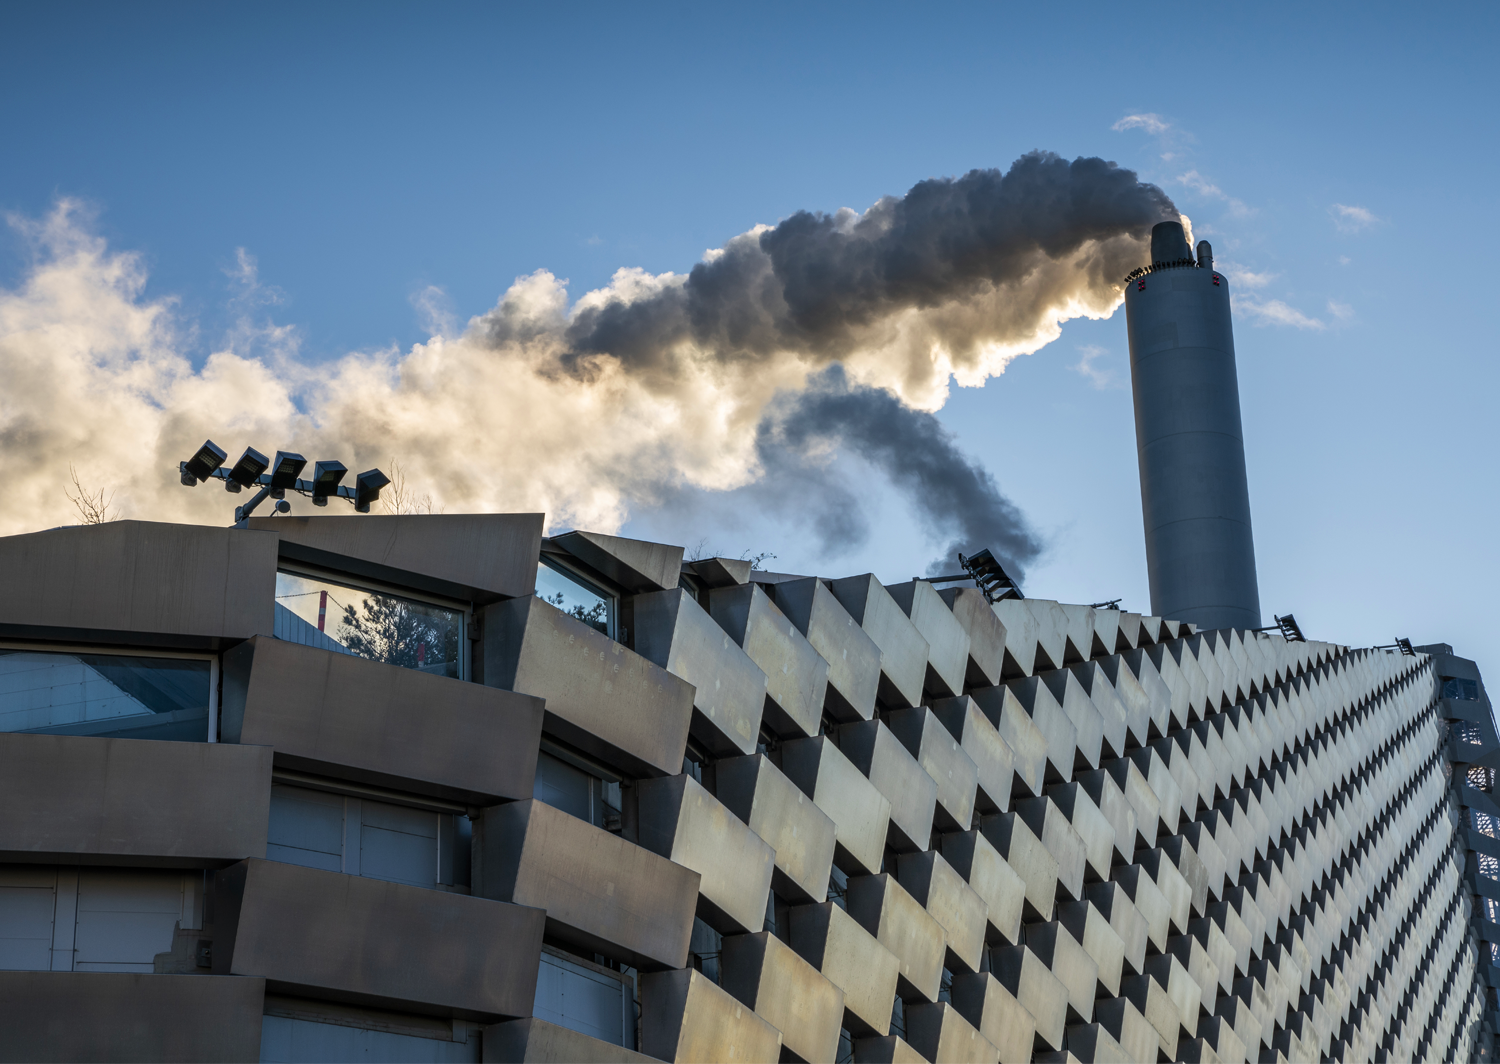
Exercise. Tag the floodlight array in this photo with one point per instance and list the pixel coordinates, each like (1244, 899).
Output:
(275, 477)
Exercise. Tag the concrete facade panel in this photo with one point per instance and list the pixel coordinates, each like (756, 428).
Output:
(599, 891)
(796, 674)
(371, 941)
(73, 799)
(141, 582)
(475, 557)
(601, 697)
(729, 689)
(64, 1016)
(681, 821)
(802, 835)
(344, 716)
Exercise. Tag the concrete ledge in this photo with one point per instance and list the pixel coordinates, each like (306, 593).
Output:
(346, 717)
(539, 1042)
(602, 697)
(66, 1016)
(686, 1017)
(599, 891)
(474, 557)
(73, 799)
(139, 582)
(371, 942)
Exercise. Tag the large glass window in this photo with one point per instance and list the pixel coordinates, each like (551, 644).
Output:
(1454, 687)
(115, 695)
(369, 623)
(575, 596)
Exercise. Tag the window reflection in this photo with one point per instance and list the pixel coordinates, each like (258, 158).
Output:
(369, 624)
(120, 696)
(1467, 690)
(574, 597)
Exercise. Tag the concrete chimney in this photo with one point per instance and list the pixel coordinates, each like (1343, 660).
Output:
(1195, 501)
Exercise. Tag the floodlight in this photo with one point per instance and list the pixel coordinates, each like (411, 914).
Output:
(285, 470)
(247, 470)
(202, 465)
(990, 576)
(326, 477)
(367, 489)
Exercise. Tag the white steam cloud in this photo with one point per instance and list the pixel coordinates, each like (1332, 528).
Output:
(824, 327)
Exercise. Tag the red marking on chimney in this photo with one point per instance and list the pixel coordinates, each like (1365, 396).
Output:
(322, 608)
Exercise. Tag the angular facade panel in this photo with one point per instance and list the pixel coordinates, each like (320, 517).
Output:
(1019, 830)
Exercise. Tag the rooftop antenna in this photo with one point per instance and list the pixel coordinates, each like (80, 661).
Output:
(1112, 604)
(276, 476)
(1403, 645)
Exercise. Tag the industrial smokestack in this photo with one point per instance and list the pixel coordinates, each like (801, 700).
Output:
(1195, 501)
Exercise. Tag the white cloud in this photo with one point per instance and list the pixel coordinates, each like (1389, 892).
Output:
(1201, 185)
(1345, 260)
(1243, 277)
(1101, 377)
(1151, 123)
(1351, 219)
(1275, 312)
(99, 374)
(1341, 311)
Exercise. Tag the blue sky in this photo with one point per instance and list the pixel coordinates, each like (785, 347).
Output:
(390, 166)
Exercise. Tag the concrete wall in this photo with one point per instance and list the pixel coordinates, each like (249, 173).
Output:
(67, 1016)
(139, 582)
(376, 943)
(78, 799)
(350, 718)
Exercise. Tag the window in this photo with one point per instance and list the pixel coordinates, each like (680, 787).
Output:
(93, 919)
(295, 1031)
(364, 837)
(1489, 867)
(568, 591)
(1481, 779)
(370, 623)
(1484, 823)
(1467, 732)
(117, 695)
(567, 787)
(1454, 687)
(585, 998)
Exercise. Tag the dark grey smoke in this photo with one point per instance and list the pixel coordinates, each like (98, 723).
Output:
(964, 264)
(951, 494)
(811, 284)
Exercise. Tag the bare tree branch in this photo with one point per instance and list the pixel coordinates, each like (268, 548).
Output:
(93, 506)
(400, 498)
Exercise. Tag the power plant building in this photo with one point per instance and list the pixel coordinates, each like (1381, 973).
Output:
(442, 788)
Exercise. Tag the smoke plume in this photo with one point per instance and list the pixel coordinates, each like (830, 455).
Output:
(792, 341)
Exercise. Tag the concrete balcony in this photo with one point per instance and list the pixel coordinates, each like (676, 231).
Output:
(729, 689)
(803, 836)
(903, 651)
(947, 640)
(601, 697)
(852, 656)
(373, 942)
(139, 582)
(796, 674)
(540, 1041)
(600, 892)
(940, 755)
(900, 923)
(853, 960)
(683, 822)
(789, 993)
(73, 799)
(477, 558)
(985, 631)
(346, 717)
(860, 813)
(896, 774)
(994, 761)
(129, 1017)
(686, 1017)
